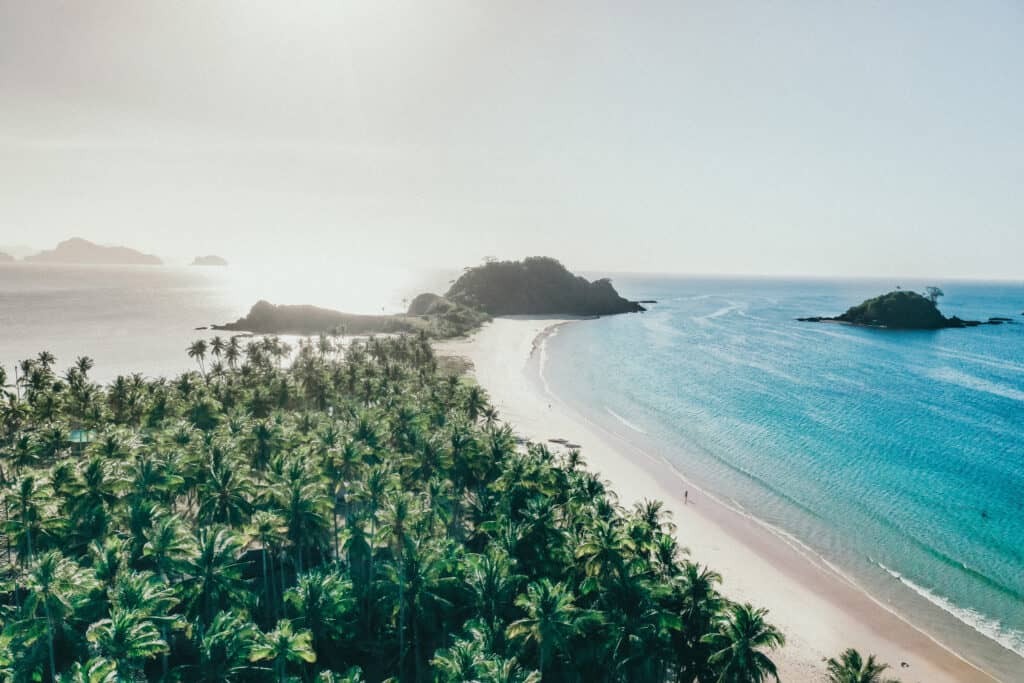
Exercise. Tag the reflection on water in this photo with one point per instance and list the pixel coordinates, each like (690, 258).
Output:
(137, 318)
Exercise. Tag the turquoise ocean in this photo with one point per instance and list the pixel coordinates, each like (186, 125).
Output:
(896, 457)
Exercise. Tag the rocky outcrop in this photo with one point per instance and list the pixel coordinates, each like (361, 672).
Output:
(900, 310)
(536, 286)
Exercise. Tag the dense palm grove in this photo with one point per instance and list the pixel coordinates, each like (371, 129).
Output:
(352, 516)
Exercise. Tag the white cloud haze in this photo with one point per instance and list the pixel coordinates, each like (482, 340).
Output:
(782, 138)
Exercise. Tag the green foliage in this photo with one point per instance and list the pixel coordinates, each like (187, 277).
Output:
(349, 517)
(852, 668)
(901, 309)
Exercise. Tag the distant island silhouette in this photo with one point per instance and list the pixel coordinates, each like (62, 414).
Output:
(902, 310)
(534, 286)
(80, 251)
(210, 260)
(6, 258)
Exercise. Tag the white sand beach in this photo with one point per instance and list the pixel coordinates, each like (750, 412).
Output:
(820, 612)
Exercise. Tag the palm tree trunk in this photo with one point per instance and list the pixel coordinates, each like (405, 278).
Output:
(416, 648)
(337, 556)
(166, 655)
(49, 640)
(401, 619)
(282, 582)
(265, 585)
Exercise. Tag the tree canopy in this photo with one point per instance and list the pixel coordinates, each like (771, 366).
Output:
(347, 515)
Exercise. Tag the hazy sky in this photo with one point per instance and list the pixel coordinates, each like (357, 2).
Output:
(874, 138)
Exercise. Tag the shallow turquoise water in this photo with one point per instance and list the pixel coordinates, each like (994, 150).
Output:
(897, 456)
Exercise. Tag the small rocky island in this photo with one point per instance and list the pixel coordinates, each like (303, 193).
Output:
(79, 251)
(902, 310)
(534, 286)
(209, 260)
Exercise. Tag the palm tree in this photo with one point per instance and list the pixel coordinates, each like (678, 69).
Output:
(492, 585)
(226, 495)
(284, 646)
(53, 585)
(550, 620)
(46, 359)
(507, 671)
(232, 352)
(167, 545)
(421, 571)
(84, 364)
(127, 639)
(224, 647)
(737, 646)
(476, 401)
(216, 572)
(852, 668)
(217, 346)
(197, 351)
(29, 507)
(268, 529)
(323, 602)
(144, 594)
(305, 507)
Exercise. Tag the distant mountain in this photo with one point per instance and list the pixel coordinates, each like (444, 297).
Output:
(78, 250)
(6, 258)
(538, 285)
(210, 260)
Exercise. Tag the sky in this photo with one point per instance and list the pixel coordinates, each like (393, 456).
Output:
(782, 138)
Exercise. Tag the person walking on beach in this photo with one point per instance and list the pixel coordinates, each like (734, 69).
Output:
(686, 497)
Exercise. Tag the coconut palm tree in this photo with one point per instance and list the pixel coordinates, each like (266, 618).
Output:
(493, 585)
(224, 647)
(216, 572)
(54, 586)
(217, 346)
(475, 403)
(284, 646)
(84, 364)
(127, 639)
(232, 352)
(33, 519)
(550, 621)
(852, 668)
(226, 495)
(305, 506)
(737, 647)
(268, 529)
(323, 603)
(197, 351)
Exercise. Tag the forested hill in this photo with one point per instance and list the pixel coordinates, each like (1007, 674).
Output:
(902, 310)
(535, 286)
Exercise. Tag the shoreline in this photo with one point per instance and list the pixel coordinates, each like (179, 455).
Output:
(821, 611)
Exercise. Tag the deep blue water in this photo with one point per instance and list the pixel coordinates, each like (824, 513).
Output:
(897, 456)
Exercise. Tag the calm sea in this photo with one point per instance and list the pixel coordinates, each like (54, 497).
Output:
(141, 318)
(895, 456)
